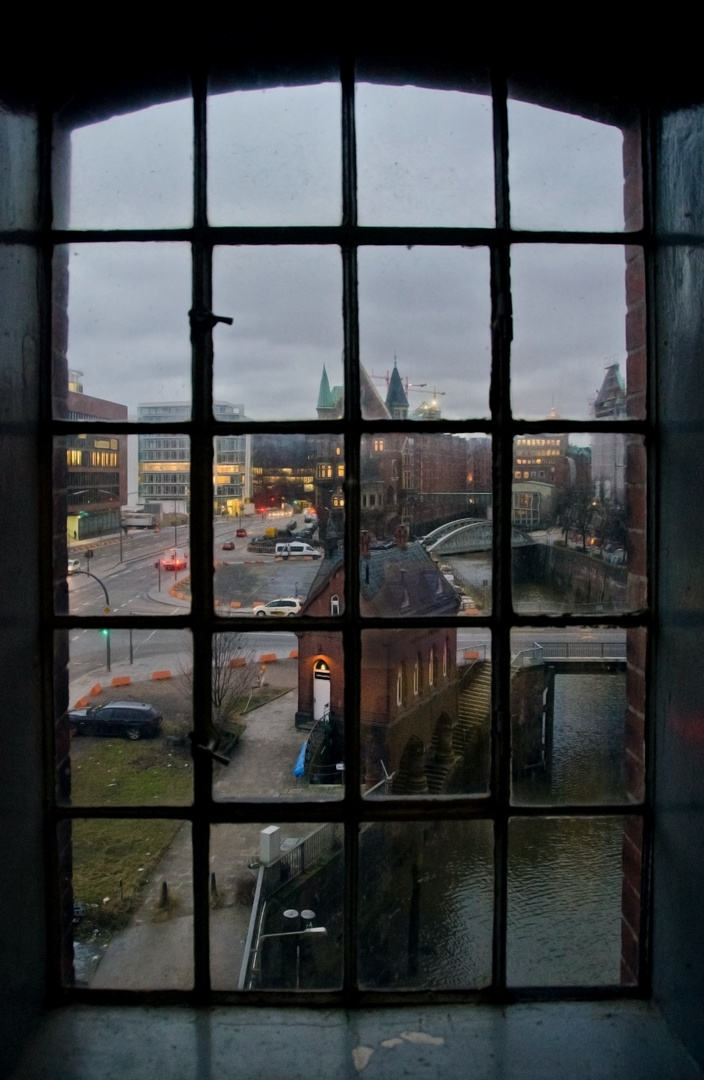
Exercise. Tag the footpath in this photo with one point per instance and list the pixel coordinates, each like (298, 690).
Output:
(155, 951)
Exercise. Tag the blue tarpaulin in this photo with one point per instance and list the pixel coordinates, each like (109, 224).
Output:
(300, 767)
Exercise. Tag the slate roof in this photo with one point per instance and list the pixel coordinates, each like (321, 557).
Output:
(394, 582)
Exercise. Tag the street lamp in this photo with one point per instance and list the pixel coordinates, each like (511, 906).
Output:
(293, 916)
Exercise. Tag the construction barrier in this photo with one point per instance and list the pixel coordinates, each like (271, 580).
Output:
(161, 674)
(95, 690)
(121, 680)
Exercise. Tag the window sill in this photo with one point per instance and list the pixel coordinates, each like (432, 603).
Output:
(611, 1040)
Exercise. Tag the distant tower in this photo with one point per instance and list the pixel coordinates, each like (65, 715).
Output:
(609, 448)
(396, 400)
(329, 405)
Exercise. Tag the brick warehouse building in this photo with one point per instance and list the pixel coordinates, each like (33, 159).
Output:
(409, 690)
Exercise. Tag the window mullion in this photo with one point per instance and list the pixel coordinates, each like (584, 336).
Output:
(351, 634)
(502, 458)
(201, 537)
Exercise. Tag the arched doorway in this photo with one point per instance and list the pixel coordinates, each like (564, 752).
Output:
(321, 690)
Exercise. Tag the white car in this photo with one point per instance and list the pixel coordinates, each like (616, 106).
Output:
(74, 565)
(287, 605)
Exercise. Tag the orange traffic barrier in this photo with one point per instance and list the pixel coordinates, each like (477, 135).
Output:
(121, 680)
(238, 661)
(235, 603)
(161, 674)
(471, 654)
(293, 655)
(82, 703)
(268, 658)
(95, 690)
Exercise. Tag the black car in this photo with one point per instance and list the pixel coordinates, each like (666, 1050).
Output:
(135, 719)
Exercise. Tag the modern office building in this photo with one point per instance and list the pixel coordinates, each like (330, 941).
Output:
(96, 466)
(164, 460)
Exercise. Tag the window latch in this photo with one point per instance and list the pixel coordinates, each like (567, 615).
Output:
(210, 748)
(200, 317)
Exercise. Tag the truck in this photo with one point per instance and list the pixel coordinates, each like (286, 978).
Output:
(134, 519)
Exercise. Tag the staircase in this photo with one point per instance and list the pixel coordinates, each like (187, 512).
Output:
(474, 708)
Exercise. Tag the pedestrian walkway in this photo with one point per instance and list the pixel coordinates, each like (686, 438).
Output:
(156, 950)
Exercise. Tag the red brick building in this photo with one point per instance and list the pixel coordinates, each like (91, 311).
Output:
(409, 678)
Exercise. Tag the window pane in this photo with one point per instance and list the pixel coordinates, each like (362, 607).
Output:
(569, 311)
(274, 156)
(430, 307)
(568, 715)
(133, 905)
(278, 523)
(425, 514)
(133, 171)
(425, 156)
(565, 172)
(425, 712)
(425, 905)
(128, 326)
(579, 523)
(567, 922)
(285, 302)
(130, 713)
(126, 552)
(277, 906)
(278, 709)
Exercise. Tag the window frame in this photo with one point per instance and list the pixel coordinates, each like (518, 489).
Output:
(354, 810)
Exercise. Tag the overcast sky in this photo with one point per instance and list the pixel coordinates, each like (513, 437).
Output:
(424, 157)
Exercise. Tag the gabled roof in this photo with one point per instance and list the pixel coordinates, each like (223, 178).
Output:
(404, 581)
(393, 582)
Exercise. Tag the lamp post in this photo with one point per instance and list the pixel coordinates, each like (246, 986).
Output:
(292, 915)
(106, 611)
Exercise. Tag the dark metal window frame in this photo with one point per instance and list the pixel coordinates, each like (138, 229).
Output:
(352, 810)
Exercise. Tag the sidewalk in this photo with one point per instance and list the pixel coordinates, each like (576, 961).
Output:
(157, 953)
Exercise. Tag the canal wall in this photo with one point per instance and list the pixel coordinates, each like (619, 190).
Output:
(579, 578)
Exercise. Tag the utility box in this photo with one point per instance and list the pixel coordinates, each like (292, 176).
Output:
(269, 843)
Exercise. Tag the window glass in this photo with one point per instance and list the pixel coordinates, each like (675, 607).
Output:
(569, 311)
(279, 890)
(424, 312)
(431, 736)
(424, 156)
(128, 332)
(130, 713)
(274, 156)
(133, 171)
(565, 881)
(565, 171)
(425, 901)
(277, 708)
(131, 873)
(285, 302)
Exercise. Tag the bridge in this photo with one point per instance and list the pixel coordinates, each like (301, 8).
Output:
(467, 535)
(570, 653)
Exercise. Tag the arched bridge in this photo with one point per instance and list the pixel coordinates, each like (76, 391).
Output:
(466, 535)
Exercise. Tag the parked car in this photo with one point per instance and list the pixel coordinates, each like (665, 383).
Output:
(135, 719)
(74, 565)
(287, 605)
(297, 548)
(240, 532)
(229, 545)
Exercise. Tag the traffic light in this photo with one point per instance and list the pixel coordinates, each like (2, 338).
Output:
(105, 632)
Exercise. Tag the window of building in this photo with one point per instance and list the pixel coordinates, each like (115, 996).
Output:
(495, 818)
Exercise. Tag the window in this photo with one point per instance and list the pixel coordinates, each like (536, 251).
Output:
(514, 644)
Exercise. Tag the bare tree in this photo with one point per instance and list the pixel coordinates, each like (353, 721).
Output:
(234, 676)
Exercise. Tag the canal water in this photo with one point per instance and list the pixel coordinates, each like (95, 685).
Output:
(564, 880)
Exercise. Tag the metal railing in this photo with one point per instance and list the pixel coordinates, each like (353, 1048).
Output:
(541, 652)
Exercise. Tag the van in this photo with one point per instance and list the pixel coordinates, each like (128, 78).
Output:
(298, 548)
